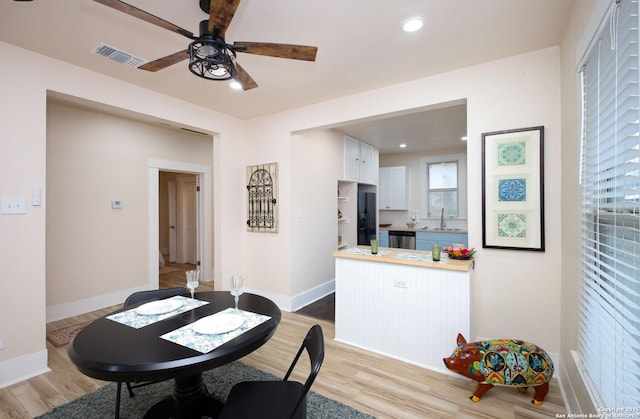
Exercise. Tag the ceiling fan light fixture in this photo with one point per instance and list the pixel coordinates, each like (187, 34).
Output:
(211, 59)
(218, 71)
(235, 85)
(412, 24)
(206, 50)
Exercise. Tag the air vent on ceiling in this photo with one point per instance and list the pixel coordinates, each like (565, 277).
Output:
(118, 55)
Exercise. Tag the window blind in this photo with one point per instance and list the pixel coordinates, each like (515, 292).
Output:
(609, 300)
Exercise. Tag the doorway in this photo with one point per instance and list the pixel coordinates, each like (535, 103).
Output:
(159, 218)
(178, 217)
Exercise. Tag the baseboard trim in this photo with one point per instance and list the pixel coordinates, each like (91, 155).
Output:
(313, 295)
(295, 303)
(76, 308)
(23, 367)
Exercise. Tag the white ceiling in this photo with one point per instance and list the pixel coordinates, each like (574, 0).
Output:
(360, 44)
(435, 129)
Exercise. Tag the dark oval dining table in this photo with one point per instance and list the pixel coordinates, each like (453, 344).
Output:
(111, 351)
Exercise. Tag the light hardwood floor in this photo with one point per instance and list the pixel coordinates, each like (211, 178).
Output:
(372, 383)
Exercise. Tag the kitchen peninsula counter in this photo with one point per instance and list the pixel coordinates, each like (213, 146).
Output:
(401, 304)
(404, 257)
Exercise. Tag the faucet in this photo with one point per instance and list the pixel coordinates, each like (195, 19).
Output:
(442, 223)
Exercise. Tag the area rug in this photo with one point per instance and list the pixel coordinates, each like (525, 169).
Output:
(63, 336)
(101, 403)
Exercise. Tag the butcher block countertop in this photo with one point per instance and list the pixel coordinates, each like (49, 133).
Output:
(404, 257)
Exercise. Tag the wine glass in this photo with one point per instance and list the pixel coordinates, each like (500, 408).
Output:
(237, 283)
(192, 280)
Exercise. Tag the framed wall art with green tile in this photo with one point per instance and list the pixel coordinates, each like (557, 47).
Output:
(513, 189)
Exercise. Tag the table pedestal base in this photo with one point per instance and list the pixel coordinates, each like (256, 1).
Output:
(190, 400)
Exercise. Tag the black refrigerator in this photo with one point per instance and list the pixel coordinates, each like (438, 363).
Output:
(366, 217)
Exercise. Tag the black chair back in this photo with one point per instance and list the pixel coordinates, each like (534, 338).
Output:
(313, 343)
(144, 296)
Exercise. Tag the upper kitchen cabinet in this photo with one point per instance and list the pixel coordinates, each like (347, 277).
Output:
(393, 188)
(360, 161)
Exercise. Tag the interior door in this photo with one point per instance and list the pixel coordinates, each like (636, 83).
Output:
(187, 219)
(173, 221)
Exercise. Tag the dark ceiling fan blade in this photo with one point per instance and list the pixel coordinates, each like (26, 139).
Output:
(294, 52)
(164, 62)
(220, 14)
(244, 78)
(148, 17)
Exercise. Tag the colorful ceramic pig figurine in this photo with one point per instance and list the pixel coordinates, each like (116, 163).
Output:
(503, 362)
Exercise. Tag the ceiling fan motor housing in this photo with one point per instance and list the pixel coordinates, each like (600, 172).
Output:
(210, 59)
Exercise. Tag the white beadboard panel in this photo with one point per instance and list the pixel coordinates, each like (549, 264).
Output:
(406, 312)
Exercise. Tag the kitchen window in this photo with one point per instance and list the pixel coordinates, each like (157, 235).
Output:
(608, 351)
(443, 189)
(443, 184)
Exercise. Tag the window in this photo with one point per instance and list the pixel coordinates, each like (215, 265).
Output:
(436, 194)
(609, 300)
(442, 196)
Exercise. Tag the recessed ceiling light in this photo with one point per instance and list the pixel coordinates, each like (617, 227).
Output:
(412, 24)
(464, 138)
(403, 146)
(235, 85)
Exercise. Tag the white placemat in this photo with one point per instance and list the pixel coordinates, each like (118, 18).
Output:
(135, 319)
(207, 341)
(418, 256)
(358, 251)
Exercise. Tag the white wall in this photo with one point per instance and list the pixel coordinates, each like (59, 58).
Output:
(94, 158)
(23, 123)
(314, 181)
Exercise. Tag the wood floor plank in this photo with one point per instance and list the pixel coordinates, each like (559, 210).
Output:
(369, 382)
(11, 407)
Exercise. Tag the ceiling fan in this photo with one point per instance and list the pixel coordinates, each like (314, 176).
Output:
(210, 57)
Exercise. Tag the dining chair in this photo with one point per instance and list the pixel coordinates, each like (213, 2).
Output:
(277, 399)
(142, 297)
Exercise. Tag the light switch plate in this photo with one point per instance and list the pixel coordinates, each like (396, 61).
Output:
(13, 205)
(36, 196)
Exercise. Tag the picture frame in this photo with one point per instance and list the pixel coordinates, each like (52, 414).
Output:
(513, 189)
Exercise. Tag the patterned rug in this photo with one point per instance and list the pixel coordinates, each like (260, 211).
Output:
(100, 404)
(63, 336)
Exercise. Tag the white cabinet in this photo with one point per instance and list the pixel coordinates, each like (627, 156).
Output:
(366, 164)
(359, 161)
(351, 159)
(393, 188)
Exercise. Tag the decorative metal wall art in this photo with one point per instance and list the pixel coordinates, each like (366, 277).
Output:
(262, 196)
(513, 189)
